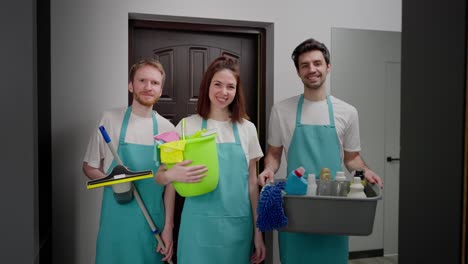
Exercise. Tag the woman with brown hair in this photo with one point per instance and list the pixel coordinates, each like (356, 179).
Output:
(218, 227)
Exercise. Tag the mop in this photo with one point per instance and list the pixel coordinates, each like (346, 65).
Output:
(270, 207)
(136, 194)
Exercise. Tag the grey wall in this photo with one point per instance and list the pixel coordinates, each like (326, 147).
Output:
(432, 130)
(19, 237)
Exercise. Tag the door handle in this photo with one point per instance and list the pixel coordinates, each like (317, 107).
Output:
(390, 159)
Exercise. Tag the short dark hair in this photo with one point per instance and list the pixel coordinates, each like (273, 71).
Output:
(310, 45)
(237, 107)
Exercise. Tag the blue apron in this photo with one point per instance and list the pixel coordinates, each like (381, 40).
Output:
(314, 147)
(217, 227)
(124, 235)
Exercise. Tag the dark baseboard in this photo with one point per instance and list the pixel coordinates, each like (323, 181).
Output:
(366, 254)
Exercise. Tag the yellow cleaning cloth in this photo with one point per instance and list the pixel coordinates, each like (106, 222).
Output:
(172, 152)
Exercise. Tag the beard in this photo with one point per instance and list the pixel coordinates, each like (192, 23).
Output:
(313, 85)
(145, 102)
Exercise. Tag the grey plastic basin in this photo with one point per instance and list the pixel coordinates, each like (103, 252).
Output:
(332, 215)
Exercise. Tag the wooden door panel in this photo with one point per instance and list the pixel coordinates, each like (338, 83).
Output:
(198, 63)
(166, 57)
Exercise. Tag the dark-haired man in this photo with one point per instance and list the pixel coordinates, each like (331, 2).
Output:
(315, 130)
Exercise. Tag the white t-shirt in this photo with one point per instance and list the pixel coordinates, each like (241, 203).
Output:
(139, 131)
(247, 134)
(283, 122)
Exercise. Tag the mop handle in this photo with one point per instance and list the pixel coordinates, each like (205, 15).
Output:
(148, 219)
(111, 146)
(135, 190)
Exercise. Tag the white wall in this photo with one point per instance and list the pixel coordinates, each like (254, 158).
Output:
(89, 74)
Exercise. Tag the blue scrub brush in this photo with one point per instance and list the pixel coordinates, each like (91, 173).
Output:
(270, 207)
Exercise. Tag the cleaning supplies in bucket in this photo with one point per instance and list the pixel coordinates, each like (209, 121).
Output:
(201, 149)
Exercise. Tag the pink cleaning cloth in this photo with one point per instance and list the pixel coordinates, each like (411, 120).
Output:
(167, 136)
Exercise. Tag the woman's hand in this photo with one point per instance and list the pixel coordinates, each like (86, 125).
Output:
(166, 237)
(260, 251)
(180, 172)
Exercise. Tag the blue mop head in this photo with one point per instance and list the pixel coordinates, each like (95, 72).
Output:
(270, 207)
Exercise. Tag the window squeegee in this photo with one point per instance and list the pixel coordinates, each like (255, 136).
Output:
(119, 174)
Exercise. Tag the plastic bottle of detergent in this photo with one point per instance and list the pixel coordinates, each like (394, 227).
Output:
(296, 184)
(341, 185)
(325, 184)
(311, 185)
(356, 190)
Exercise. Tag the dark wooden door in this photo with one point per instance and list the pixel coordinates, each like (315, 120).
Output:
(185, 55)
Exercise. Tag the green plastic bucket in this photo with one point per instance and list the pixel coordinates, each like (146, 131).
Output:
(201, 151)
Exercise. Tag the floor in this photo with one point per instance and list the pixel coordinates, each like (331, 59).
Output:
(378, 260)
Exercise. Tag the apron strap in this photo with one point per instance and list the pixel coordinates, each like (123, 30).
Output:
(299, 110)
(123, 128)
(155, 123)
(330, 111)
(331, 116)
(236, 132)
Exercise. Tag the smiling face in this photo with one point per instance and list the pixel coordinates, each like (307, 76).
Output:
(146, 86)
(222, 89)
(313, 69)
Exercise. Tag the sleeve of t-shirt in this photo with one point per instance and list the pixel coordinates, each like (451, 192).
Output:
(255, 150)
(351, 139)
(274, 129)
(95, 151)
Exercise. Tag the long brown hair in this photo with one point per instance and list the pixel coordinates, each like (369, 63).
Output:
(237, 107)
